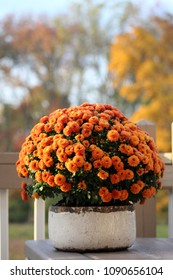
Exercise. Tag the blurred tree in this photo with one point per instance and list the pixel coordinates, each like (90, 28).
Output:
(141, 63)
(50, 63)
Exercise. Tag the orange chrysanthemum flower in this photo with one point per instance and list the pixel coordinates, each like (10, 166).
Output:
(115, 179)
(133, 160)
(71, 166)
(103, 174)
(135, 188)
(116, 194)
(124, 195)
(87, 166)
(107, 197)
(66, 187)
(78, 160)
(82, 185)
(103, 191)
(147, 193)
(51, 181)
(59, 179)
(106, 161)
(113, 135)
(34, 165)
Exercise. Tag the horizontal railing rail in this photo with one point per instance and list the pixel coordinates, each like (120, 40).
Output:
(146, 214)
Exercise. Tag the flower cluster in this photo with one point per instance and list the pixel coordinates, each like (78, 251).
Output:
(89, 155)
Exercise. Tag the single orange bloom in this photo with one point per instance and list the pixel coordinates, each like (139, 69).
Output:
(103, 191)
(67, 131)
(97, 163)
(74, 126)
(129, 174)
(122, 174)
(82, 185)
(34, 165)
(103, 174)
(62, 143)
(124, 195)
(62, 157)
(97, 153)
(87, 126)
(60, 165)
(58, 127)
(107, 197)
(71, 166)
(45, 175)
(59, 179)
(35, 195)
(87, 166)
(133, 160)
(79, 137)
(78, 160)
(93, 120)
(116, 194)
(134, 140)
(112, 135)
(116, 159)
(153, 190)
(48, 161)
(42, 165)
(86, 143)
(135, 188)
(98, 128)
(118, 166)
(66, 187)
(104, 123)
(106, 161)
(38, 176)
(147, 193)
(24, 195)
(69, 150)
(48, 127)
(140, 171)
(51, 181)
(79, 149)
(23, 186)
(141, 184)
(114, 178)
(44, 119)
(86, 132)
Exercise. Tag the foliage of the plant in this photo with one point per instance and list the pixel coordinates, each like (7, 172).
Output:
(90, 155)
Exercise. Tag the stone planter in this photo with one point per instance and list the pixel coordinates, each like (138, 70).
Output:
(92, 228)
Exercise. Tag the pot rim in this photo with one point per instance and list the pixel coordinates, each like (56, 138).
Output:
(83, 209)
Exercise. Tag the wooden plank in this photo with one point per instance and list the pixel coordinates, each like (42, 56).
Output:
(8, 158)
(167, 180)
(9, 178)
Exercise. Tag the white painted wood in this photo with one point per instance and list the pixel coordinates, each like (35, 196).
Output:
(170, 213)
(39, 219)
(4, 222)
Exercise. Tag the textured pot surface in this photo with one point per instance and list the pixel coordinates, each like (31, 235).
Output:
(92, 228)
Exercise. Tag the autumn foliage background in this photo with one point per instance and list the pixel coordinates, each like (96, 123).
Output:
(106, 52)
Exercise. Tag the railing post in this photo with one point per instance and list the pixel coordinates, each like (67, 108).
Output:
(146, 214)
(4, 221)
(170, 198)
(39, 219)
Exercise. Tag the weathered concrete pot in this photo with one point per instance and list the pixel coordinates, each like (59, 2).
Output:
(92, 228)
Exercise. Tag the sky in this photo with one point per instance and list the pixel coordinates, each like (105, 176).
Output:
(53, 7)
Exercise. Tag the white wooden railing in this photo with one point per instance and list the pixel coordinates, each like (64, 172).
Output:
(145, 215)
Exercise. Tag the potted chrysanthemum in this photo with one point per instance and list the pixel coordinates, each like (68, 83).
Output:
(97, 164)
